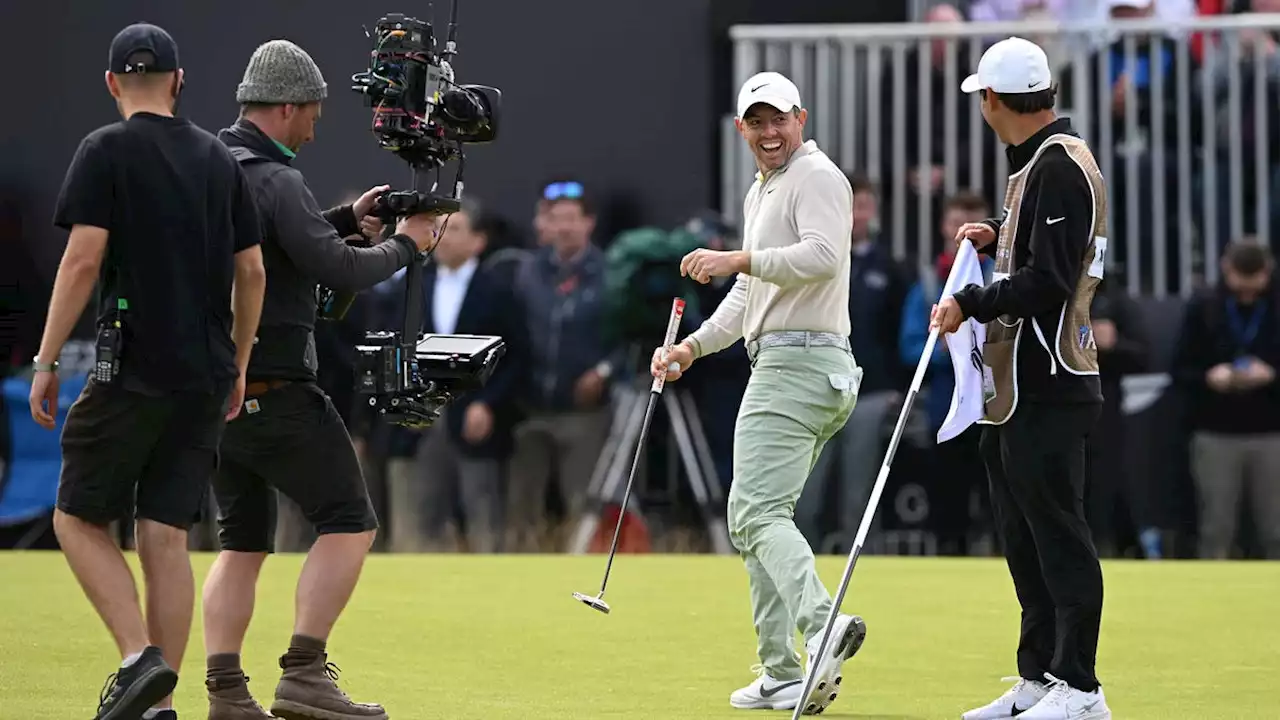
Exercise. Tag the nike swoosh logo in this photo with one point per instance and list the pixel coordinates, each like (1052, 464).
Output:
(1032, 86)
(777, 689)
(1015, 710)
(1054, 221)
(757, 87)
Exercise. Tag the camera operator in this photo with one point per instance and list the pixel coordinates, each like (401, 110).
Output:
(290, 437)
(160, 213)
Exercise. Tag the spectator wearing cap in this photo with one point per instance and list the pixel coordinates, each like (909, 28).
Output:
(162, 220)
(291, 438)
(566, 401)
(1226, 363)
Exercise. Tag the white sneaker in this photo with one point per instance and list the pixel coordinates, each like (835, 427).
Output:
(1064, 702)
(847, 635)
(767, 694)
(1016, 701)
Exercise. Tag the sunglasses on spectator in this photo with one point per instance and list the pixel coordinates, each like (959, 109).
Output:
(570, 190)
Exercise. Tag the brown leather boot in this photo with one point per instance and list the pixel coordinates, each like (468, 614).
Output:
(311, 692)
(229, 699)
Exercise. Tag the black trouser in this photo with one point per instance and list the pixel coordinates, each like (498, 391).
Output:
(125, 454)
(289, 439)
(1036, 464)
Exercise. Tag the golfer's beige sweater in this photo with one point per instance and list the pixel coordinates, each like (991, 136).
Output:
(797, 223)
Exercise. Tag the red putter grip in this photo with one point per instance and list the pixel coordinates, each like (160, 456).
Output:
(673, 327)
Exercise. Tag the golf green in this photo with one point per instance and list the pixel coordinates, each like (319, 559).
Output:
(463, 636)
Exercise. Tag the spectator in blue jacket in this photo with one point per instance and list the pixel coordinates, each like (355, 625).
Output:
(566, 401)
(958, 459)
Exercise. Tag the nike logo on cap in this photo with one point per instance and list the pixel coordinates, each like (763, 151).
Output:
(766, 692)
(1054, 221)
(758, 87)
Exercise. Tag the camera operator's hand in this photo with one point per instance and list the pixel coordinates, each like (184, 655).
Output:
(681, 356)
(365, 202)
(421, 229)
(477, 424)
(371, 227)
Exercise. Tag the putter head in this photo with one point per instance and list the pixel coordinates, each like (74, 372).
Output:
(592, 602)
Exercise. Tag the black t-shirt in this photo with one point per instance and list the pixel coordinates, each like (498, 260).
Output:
(176, 208)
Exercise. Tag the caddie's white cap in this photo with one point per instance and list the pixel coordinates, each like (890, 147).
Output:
(768, 87)
(1010, 67)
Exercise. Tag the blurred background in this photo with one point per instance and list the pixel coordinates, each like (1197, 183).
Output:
(617, 155)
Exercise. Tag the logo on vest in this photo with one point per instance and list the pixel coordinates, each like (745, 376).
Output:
(1085, 339)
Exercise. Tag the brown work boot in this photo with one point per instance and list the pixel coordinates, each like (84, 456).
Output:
(229, 699)
(310, 692)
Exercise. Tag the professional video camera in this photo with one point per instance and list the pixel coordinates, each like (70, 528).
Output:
(425, 118)
(419, 112)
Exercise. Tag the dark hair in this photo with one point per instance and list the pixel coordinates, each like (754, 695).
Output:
(967, 201)
(862, 183)
(1248, 258)
(1029, 103)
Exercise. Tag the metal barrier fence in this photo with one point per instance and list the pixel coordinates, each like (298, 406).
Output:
(1189, 145)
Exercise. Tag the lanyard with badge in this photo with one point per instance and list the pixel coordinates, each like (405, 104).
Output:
(1244, 333)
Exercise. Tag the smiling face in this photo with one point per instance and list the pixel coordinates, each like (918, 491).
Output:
(772, 134)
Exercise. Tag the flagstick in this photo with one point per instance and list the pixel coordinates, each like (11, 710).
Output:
(867, 517)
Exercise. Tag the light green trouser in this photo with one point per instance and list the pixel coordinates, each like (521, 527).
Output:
(796, 400)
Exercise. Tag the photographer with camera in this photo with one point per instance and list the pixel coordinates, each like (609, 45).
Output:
(160, 216)
(290, 437)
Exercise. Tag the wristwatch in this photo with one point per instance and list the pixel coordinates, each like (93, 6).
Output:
(42, 366)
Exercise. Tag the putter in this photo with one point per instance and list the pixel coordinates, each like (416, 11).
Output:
(673, 326)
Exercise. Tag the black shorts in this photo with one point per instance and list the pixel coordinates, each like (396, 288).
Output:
(127, 453)
(289, 439)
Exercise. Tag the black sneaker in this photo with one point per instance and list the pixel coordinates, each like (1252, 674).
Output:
(131, 691)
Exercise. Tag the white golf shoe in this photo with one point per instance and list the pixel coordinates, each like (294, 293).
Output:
(1064, 702)
(847, 635)
(767, 693)
(1017, 700)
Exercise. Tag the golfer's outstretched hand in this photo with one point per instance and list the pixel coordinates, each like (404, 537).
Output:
(673, 363)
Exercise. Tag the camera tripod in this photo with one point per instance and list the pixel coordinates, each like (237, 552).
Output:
(610, 474)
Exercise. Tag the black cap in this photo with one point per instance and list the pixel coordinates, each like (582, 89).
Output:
(143, 38)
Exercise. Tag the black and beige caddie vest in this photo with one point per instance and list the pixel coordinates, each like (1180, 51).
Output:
(1069, 346)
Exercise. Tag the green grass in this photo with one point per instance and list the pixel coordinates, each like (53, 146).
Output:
(500, 637)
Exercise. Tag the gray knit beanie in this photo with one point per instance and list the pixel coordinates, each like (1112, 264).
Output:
(280, 72)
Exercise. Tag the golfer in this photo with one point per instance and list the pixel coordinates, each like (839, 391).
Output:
(1040, 381)
(790, 302)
